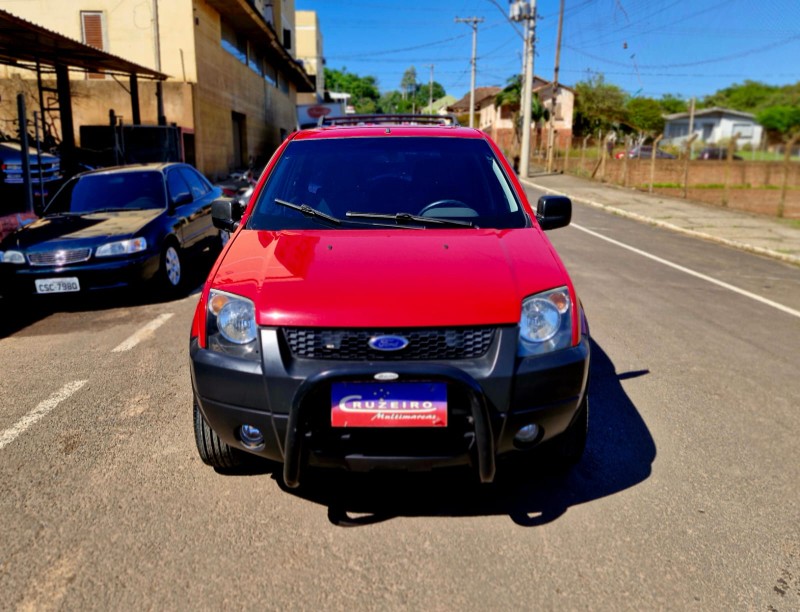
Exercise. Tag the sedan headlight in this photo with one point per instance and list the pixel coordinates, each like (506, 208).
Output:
(13, 257)
(121, 247)
(546, 322)
(231, 325)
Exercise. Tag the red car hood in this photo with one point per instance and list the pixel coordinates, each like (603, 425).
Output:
(391, 278)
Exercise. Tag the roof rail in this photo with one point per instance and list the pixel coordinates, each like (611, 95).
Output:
(398, 119)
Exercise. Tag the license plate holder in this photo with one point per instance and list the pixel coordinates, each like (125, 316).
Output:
(389, 404)
(67, 284)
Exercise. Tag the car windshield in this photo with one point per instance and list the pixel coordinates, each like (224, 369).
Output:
(110, 191)
(366, 183)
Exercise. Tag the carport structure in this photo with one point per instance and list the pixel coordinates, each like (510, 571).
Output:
(26, 45)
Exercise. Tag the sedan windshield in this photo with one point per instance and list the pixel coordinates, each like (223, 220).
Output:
(370, 183)
(110, 191)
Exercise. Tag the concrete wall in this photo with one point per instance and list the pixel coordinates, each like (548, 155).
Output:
(129, 28)
(309, 50)
(225, 86)
(91, 101)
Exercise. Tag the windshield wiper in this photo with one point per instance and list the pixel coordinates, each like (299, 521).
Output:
(402, 217)
(309, 211)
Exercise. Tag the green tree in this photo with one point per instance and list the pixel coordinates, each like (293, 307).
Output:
(392, 102)
(364, 94)
(408, 84)
(671, 103)
(423, 91)
(749, 97)
(780, 121)
(645, 115)
(598, 106)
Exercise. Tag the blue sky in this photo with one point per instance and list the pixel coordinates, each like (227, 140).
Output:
(646, 47)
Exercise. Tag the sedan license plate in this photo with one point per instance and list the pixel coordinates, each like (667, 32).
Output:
(370, 404)
(57, 285)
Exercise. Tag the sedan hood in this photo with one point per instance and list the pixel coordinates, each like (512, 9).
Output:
(80, 230)
(397, 278)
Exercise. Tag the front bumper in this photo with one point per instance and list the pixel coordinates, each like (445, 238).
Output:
(92, 275)
(489, 400)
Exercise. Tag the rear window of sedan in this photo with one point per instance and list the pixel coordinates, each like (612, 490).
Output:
(130, 190)
(440, 177)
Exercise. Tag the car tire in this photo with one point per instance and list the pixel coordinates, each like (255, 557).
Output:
(170, 271)
(212, 450)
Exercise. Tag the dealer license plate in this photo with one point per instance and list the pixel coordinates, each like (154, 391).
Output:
(57, 285)
(359, 404)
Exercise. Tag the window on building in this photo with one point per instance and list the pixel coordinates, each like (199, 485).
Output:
(283, 84)
(745, 130)
(256, 62)
(233, 42)
(677, 130)
(93, 33)
(270, 74)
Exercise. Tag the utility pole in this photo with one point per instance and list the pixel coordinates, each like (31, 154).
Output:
(430, 90)
(522, 10)
(161, 119)
(551, 132)
(473, 21)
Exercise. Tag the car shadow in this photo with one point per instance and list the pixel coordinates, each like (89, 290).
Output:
(619, 454)
(17, 313)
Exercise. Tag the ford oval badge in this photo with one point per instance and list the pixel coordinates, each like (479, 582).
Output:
(388, 343)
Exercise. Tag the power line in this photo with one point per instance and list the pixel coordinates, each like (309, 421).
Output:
(698, 63)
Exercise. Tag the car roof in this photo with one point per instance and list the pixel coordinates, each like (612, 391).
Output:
(156, 167)
(389, 130)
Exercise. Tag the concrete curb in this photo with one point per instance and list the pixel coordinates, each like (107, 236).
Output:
(649, 220)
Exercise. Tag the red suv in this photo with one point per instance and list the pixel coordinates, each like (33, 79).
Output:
(388, 299)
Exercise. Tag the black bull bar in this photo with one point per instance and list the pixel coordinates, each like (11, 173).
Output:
(295, 434)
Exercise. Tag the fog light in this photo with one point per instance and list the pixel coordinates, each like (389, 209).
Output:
(251, 437)
(527, 435)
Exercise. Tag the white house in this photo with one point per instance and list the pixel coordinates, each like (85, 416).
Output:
(713, 126)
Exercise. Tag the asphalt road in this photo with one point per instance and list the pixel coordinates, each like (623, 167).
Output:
(687, 496)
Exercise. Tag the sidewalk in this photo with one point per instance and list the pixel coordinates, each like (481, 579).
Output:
(763, 235)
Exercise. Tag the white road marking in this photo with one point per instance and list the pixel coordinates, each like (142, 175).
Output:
(144, 333)
(691, 272)
(45, 407)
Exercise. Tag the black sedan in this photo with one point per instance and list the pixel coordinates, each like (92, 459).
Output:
(112, 228)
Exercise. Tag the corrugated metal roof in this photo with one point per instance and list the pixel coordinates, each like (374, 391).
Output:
(23, 43)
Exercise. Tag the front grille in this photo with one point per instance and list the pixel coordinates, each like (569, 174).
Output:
(59, 258)
(423, 344)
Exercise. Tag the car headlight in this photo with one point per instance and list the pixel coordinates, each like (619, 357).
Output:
(231, 325)
(546, 323)
(13, 257)
(121, 247)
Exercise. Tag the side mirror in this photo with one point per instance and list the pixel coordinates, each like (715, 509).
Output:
(553, 211)
(226, 213)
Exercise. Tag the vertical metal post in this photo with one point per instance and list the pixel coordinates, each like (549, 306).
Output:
(26, 162)
(38, 155)
(136, 117)
(68, 161)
